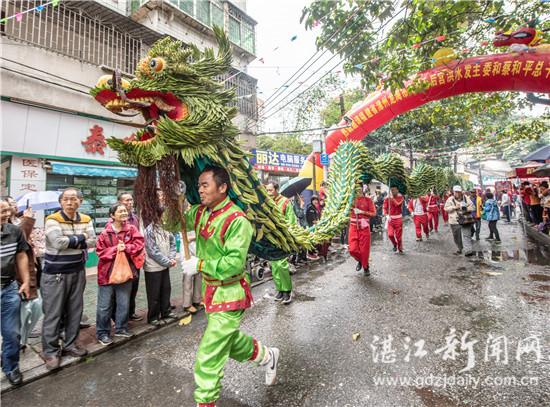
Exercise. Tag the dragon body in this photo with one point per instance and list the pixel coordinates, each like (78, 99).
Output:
(188, 115)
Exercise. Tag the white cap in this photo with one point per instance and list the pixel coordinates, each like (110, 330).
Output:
(457, 188)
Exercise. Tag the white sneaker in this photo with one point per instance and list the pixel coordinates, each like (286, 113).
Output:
(271, 367)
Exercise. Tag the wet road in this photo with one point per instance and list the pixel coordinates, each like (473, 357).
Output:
(434, 330)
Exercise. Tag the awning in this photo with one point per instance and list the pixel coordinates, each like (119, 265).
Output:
(525, 171)
(92, 170)
(541, 155)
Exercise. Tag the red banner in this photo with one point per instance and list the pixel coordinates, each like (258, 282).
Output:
(525, 72)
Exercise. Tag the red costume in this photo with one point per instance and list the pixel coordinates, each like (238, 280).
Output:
(433, 211)
(420, 215)
(393, 207)
(359, 230)
(442, 205)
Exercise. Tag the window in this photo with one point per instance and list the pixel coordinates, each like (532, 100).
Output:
(203, 11)
(235, 31)
(248, 37)
(217, 16)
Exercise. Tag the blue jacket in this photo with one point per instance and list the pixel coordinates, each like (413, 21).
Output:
(491, 210)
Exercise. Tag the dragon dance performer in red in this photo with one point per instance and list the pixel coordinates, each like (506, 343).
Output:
(359, 231)
(418, 207)
(433, 211)
(444, 214)
(393, 207)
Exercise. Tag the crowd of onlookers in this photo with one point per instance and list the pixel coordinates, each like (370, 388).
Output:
(43, 275)
(535, 201)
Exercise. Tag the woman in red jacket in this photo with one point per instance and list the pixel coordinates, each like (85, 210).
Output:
(118, 236)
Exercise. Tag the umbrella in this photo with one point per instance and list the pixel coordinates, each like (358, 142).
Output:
(543, 171)
(39, 200)
(295, 186)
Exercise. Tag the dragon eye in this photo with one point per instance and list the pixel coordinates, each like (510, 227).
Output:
(157, 64)
(105, 82)
(522, 35)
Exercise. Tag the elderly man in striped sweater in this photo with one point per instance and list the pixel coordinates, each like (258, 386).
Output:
(69, 234)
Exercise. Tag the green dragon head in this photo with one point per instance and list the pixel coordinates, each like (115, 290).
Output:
(182, 104)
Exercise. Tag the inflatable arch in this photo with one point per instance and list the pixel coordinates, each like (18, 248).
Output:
(517, 71)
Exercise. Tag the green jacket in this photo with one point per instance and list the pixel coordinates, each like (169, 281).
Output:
(286, 208)
(223, 237)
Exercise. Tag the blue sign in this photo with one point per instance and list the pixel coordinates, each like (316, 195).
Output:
(276, 161)
(324, 159)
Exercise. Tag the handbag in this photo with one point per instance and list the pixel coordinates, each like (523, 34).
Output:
(121, 270)
(465, 217)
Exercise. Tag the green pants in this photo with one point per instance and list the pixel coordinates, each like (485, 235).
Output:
(281, 275)
(222, 339)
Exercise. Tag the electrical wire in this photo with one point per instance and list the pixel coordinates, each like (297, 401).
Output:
(267, 115)
(44, 80)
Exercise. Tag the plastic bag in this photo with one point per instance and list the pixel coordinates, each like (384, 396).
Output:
(121, 271)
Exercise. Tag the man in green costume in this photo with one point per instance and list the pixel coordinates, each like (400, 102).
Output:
(223, 236)
(279, 268)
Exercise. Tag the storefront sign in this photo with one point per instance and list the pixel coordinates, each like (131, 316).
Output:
(95, 143)
(27, 175)
(275, 161)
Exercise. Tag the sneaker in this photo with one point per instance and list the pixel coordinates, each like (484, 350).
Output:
(135, 317)
(394, 248)
(15, 377)
(52, 362)
(75, 351)
(359, 266)
(156, 322)
(400, 251)
(123, 334)
(279, 296)
(312, 257)
(419, 239)
(271, 367)
(366, 271)
(469, 254)
(458, 252)
(287, 298)
(171, 315)
(105, 340)
(489, 238)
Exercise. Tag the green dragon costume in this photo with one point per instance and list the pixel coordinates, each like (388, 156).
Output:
(188, 127)
(188, 114)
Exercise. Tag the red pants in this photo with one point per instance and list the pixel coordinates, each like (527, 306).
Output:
(359, 244)
(395, 232)
(433, 220)
(445, 215)
(421, 220)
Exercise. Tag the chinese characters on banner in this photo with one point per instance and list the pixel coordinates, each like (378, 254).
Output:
(276, 161)
(27, 175)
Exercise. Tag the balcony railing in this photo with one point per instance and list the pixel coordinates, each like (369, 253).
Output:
(245, 88)
(71, 33)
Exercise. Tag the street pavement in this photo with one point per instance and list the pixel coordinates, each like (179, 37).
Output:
(428, 328)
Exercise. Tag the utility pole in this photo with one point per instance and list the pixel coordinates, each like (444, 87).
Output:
(411, 165)
(455, 163)
(480, 176)
(342, 105)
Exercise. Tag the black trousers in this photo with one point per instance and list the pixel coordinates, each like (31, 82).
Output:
(157, 285)
(493, 231)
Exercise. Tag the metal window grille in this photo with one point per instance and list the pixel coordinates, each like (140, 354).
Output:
(245, 89)
(70, 33)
